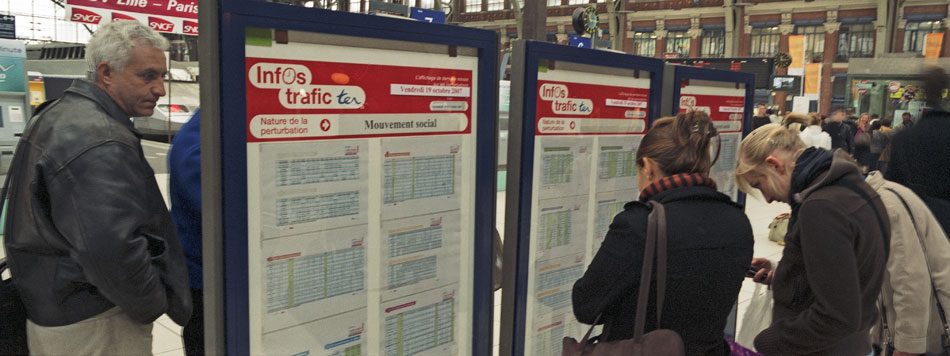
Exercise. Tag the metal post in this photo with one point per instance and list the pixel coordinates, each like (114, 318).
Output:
(535, 18)
(211, 215)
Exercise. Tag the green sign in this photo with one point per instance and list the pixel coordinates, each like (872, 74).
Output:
(12, 73)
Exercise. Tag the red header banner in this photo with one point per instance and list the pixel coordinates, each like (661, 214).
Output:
(565, 108)
(725, 111)
(290, 100)
(174, 16)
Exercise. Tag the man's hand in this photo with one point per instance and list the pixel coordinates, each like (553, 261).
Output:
(901, 353)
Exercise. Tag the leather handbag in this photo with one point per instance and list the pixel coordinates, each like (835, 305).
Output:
(862, 139)
(660, 342)
(779, 228)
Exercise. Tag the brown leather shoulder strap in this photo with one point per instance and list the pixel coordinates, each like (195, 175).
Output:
(660, 222)
(646, 272)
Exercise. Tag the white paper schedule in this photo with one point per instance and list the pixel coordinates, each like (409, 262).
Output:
(561, 227)
(588, 126)
(361, 181)
(420, 178)
(310, 276)
(723, 172)
(313, 186)
(338, 335)
(419, 254)
(423, 324)
(564, 166)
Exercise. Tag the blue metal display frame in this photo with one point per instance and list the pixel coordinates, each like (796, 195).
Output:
(235, 17)
(521, 154)
(681, 73)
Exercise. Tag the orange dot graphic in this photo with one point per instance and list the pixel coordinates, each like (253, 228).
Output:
(340, 78)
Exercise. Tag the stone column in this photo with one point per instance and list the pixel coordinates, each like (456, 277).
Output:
(899, 41)
(785, 29)
(695, 38)
(831, 52)
(745, 38)
(660, 34)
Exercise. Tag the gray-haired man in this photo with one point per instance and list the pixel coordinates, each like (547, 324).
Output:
(89, 239)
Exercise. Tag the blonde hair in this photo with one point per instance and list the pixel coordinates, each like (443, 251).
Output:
(758, 146)
(797, 121)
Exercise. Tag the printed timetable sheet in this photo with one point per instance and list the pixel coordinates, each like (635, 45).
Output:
(587, 131)
(360, 200)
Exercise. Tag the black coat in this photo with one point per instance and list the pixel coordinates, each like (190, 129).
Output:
(710, 249)
(87, 228)
(920, 160)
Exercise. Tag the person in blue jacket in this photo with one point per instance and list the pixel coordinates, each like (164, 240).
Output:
(184, 170)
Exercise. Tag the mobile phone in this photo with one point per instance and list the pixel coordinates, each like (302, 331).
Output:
(752, 270)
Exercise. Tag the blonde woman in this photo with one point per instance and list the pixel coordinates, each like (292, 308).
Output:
(832, 267)
(862, 142)
(811, 133)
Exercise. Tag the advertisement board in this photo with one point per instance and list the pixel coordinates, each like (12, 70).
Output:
(173, 16)
(571, 169)
(588, 127)
(12, 71)
(727, 109)
(361, 174)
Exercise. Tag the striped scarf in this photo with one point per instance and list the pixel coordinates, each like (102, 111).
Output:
(676, 181)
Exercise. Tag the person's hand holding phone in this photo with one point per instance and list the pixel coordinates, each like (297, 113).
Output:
(761, 271)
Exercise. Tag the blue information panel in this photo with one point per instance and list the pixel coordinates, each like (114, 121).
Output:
(579, 41)
(570, 170)
(427, 15)
(352, 219)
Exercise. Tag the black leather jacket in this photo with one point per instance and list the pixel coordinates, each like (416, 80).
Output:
(87, 227)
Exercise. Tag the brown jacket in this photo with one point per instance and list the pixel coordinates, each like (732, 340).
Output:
(827, 284)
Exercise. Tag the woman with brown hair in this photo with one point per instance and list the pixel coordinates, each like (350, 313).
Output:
(709, 243)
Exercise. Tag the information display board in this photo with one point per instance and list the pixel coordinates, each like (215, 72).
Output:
(364, 231)
(583, 114)
(727, 98)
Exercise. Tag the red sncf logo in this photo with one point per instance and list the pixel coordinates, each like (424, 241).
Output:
(190, 27)
(120, 16)
(159, 24)
(86, 16)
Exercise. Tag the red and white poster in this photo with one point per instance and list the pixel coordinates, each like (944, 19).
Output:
(565, 108)
(724, 106)
(300, 100)
(361, 172)
(174, 16)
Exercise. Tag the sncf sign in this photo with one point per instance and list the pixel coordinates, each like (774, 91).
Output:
(189, 27)
(84, 16)
(174, 16)
(117, 16)
(159, 24)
